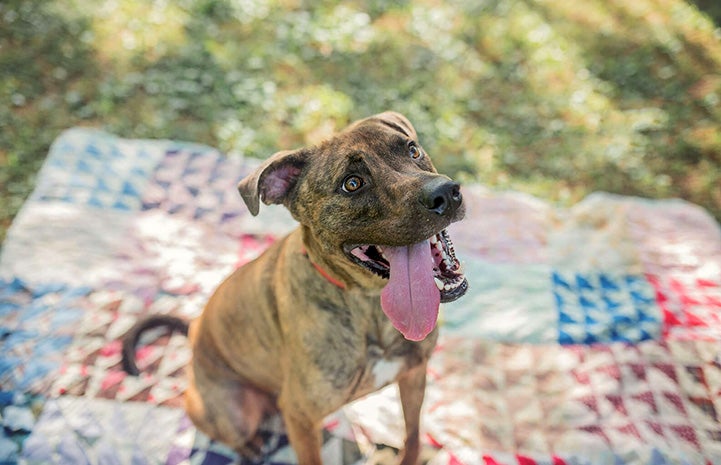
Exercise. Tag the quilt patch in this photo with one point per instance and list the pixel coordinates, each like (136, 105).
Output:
(589, 335)
(600, 307)
(37, 326)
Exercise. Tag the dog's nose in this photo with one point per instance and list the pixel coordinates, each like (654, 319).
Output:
(441, 195)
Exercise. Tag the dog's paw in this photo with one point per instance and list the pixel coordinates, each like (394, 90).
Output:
(386, 455)
(383, 455)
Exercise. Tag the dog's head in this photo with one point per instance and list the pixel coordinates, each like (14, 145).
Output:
(374, 211)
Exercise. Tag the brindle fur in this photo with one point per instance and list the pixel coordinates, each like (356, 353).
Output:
(278, 335)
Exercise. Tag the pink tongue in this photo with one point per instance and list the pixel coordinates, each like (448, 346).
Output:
(411, 298)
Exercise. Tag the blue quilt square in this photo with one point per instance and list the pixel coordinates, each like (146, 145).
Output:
(602, 307)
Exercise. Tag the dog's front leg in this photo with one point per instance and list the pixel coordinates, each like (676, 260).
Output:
(304, 436)
(412, 387)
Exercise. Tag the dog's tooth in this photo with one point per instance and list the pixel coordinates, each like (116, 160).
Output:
(380, 252)
(439, 284)
(434, 240)
(445, 235)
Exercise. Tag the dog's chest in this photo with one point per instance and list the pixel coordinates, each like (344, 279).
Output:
(379, 355)
(383, 370)
(376, 372)
(384, 365)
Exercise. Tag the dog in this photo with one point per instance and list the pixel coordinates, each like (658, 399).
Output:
(344, 305)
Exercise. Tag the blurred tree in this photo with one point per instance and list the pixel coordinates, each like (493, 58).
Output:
(552, 97)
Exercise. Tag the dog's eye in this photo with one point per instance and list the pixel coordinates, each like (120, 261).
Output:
(352, 183)
(414, 151)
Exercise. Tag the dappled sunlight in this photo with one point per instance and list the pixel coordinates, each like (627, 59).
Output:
(123, 29)
(552, 97)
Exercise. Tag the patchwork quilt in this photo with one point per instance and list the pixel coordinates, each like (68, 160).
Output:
(590, 335)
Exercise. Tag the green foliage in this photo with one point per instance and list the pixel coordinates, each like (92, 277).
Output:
(553, 97)
(42, 58)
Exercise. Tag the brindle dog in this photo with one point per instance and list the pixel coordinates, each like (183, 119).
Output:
(344, 305)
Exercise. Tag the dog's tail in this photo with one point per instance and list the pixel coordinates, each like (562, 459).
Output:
(130, 340)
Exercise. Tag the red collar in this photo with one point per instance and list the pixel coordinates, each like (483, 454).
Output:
(322, 271)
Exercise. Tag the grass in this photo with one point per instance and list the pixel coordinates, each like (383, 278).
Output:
(550, 97)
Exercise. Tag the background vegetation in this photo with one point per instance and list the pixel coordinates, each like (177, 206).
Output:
(551, 97)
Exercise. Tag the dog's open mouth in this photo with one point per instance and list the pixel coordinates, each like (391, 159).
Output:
(447, 274)
(420, 276)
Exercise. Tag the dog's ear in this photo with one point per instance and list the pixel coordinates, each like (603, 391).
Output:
(273, 179)
(398, 122)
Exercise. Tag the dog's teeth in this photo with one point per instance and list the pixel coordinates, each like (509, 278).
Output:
(434, 240)
(380, 249)
(439, 284)
(380, 252)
